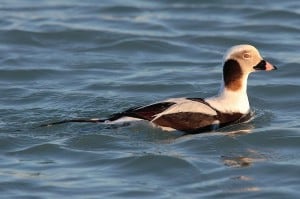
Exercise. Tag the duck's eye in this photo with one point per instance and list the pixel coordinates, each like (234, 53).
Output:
(246, 55)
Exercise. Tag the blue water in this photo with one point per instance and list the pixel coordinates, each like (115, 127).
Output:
(68, 59)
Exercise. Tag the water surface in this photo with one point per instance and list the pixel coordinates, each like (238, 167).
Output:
(63, 59)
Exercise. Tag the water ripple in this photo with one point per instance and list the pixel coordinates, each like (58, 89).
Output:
(61, 59)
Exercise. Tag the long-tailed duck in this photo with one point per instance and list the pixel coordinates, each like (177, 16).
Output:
(195, 115)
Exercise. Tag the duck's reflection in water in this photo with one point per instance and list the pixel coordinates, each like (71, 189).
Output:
(241, 155)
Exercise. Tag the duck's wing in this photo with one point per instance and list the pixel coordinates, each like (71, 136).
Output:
(195, 115)
(191, 122)
(184, 114)
(189, 115)
(143, 112)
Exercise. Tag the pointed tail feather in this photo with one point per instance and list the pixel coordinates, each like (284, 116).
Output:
(91, 120)
(114, 117)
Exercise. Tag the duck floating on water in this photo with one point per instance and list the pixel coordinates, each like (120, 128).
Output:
(196, 115)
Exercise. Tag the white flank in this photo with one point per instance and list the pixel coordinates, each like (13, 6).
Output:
(122, 120)
(168, 129)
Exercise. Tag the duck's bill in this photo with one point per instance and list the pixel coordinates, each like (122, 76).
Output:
(264, 65)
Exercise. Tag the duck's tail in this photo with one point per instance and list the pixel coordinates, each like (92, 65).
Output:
(91, 120)
(113, 118)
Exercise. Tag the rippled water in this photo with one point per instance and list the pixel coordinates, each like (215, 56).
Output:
(66, 59)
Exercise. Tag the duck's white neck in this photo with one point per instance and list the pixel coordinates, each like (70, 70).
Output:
(231, 100)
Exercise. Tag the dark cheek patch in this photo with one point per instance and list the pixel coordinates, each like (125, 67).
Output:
(232, 75)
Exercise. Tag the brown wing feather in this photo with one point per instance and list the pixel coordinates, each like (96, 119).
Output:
(193, 122)
(186, 121)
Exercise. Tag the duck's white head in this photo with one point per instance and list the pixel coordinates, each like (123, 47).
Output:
(239, 62)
